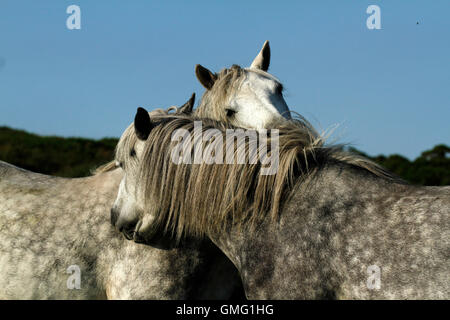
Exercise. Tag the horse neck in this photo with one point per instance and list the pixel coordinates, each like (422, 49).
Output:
(275, 259)
(107, 181)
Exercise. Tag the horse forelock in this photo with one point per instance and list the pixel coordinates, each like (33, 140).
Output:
(199, 199)
(214, 100)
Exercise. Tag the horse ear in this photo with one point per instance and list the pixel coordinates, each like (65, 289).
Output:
(188, 106)
(142, 124)
(262, 60)
(206, 77)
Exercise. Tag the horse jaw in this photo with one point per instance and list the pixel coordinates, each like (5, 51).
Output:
(258, 103)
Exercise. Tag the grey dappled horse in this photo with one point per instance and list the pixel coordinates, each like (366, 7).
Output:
(328, 224)
(53, 230)
(50, 227)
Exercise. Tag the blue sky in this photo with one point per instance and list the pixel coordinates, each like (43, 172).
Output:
(388, 89)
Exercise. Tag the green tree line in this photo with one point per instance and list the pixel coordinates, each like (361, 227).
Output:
(77, 157)
(64, 157)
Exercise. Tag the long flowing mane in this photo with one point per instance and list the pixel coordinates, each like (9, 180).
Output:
(192, 199)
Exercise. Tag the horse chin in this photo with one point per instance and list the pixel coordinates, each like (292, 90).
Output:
(129, 235)
(157, 240)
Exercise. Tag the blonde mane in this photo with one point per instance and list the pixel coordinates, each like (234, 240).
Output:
(195, 199)
(213, 101)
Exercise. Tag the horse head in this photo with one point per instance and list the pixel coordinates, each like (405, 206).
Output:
(246, 97)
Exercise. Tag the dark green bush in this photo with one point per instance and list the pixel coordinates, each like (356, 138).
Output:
(76, 157)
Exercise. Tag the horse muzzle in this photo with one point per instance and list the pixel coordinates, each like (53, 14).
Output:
(127, 228)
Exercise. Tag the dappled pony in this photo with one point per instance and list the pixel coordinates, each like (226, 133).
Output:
(53, 230)
(50, 226)
(328, 224)
(247, 97)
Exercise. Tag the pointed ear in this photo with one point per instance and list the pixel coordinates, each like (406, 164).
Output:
(142, 124)
(188, 106)
(206, 77)
(262, 60)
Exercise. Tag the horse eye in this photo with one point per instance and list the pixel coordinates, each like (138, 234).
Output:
(230, 112)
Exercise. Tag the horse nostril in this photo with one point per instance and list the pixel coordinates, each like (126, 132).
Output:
(138, 238)
(127, 228)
